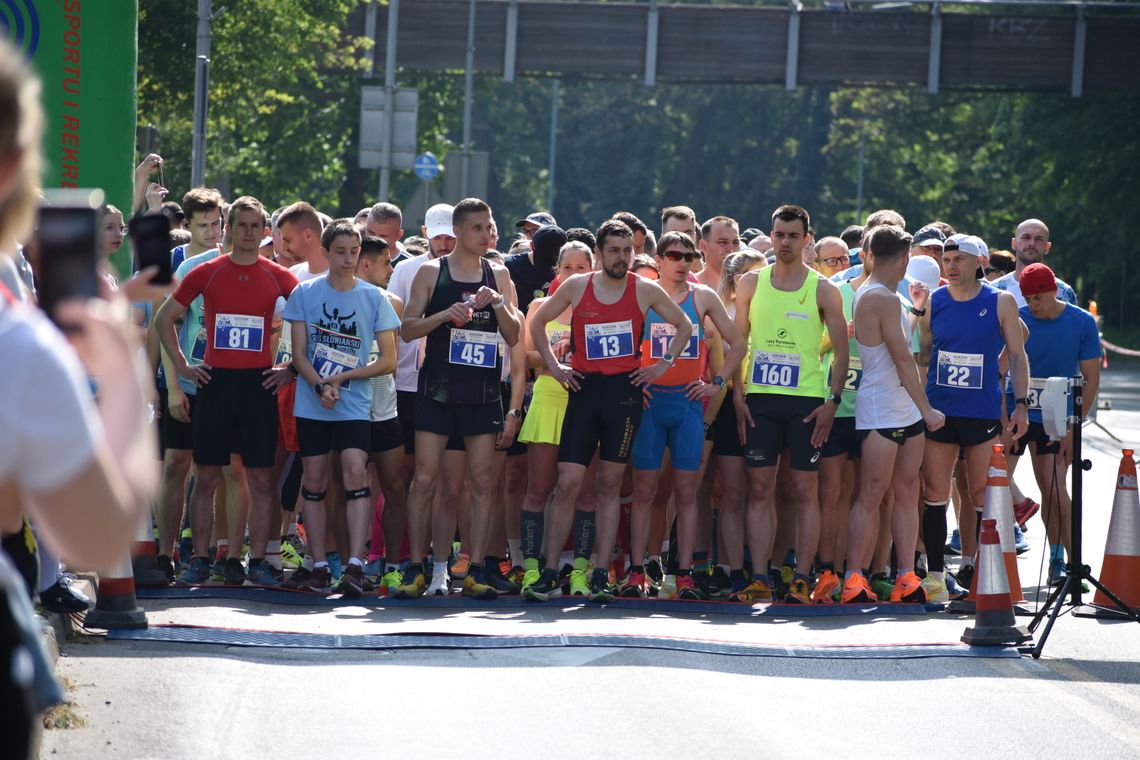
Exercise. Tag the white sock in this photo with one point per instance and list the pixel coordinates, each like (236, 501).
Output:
(355, 561)
(273, 554)
(967, 561)
(440, 570)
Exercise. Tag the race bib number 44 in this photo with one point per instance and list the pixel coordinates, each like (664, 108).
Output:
(776, 369)
(957, 370)
(238, 332)
(609, 340)
(329, 362)
(661, 335)
(474, 348)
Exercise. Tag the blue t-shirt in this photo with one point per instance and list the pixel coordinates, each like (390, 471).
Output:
(1056, 347)
(192, 334)
(342, 329)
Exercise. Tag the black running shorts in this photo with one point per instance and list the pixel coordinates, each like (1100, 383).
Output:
(605, 411)
(779, 423)
(234, 413)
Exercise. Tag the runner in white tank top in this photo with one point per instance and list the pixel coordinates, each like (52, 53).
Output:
(882, 402)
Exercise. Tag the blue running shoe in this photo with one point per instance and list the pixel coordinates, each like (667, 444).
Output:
(373, 568)
(261, 574)
(1057, 572)
(1020, 544)
(954, 546)
(335, 566)
(196, 573)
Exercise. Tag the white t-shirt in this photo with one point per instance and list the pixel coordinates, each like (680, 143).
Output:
(48, 421)
(409, 359)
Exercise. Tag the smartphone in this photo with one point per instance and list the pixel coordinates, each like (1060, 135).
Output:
(68, 239)
(150, 237)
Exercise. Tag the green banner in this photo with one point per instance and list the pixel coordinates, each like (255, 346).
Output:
(86, 52)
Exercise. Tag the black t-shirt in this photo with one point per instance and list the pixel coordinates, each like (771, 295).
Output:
(529, 283)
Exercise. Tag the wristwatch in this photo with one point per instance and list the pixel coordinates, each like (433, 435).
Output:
(834, 397)
(918, 312)
(514, 413)
(319, 388)
(1023, 400)
(718, 381)
(669, 359)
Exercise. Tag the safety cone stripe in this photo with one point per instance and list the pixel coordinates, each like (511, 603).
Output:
(143, 549)
(996, 476)
(994, 603)
(109, 587)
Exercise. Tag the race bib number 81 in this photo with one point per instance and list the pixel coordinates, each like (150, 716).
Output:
(238, 332)
(957, 370)
(474, 348)
(609, 340)
(776, 369)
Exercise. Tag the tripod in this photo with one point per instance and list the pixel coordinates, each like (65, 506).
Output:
(1077, 570)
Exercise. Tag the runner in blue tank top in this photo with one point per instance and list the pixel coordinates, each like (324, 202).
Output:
(963, 332)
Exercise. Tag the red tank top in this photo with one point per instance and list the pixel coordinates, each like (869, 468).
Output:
(606, 337)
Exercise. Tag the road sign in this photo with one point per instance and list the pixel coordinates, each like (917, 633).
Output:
(373, 123)
(426, 167)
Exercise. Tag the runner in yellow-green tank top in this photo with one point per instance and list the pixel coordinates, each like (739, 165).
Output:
(783, 309)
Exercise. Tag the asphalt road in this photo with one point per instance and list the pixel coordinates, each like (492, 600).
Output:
(1082, 699)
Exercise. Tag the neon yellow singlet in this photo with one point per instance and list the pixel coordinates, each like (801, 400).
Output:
(784, 342)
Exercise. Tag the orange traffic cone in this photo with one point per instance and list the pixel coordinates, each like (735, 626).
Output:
(1121, 569)
(115, 604)
(144, 555)
(998, 507)
(994, 624)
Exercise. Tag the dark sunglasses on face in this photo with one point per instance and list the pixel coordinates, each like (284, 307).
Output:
(679, 256)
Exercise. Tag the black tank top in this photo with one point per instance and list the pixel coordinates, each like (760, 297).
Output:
(462, 363)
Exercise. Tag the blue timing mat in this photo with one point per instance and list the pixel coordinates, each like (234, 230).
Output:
(248, 638)
(456, 601)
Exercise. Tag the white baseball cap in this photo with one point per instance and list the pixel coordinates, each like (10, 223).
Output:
(437, 220)
(971, 244)
(925, 270)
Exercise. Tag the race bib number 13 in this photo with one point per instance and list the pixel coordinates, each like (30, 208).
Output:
(238, 332)
(609, 340)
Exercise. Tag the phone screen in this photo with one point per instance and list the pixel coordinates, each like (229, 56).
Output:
(150, 236)
(68, 241)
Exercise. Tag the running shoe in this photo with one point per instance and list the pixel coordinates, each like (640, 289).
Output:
(232, 572)
(756, 591)
(318, 580)
(196, 573)
(826, 587)
(787, 572)
(954, 545)
(564, 577)
(954, 587)
(63, 597)
(1020, 545)
(719, 582)
(517, 575)
(336, 567)
(166, 565)
(1057, 572)
(529, 578)
(856, 590)
(634, 585)
(289, 555)
(667, 589)
(218, 571)
(798, 592)
(965, 576)
(544, 588)
(296, 543)
(300, 576)
(738, 582)
(374, 568)
(935, 589)
(459, 568)
(262, 574)
(600, 590)
(411, 586)
(701, 581)
(389, 581)
(477, 589)
(883, 586)
(493, 577)
(440, 585)
(655, 570)
(579, 586)
(185, 547)
(908, 588)
(353, 584)
(1024, 510)
(687, 589)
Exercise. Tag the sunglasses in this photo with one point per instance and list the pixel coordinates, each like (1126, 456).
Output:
(685, 256)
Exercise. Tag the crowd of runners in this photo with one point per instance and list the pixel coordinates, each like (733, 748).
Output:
(688, 412)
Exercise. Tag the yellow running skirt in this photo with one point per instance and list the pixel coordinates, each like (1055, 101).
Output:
(543, 421)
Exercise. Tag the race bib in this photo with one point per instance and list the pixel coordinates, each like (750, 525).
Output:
(238, 332)
(474, 348)
(854, 374)
(661, 335)
(198, 353)
(329, 362)
(960, 370)
(776, 369)
(609, 340)
(1036, 386)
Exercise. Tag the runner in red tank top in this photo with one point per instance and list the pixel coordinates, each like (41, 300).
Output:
(604, 379)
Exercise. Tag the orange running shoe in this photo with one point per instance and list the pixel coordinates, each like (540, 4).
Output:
(856, 590)
(908, 588)
(459, 569)
(825, 587)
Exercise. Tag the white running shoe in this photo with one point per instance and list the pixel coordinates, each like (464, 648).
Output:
(935, 589)
(440, 585)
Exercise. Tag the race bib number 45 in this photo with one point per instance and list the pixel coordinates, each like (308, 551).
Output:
(609, 340)
(776, 369)
(238, 332)
(474, 348)
(957, 370)
(661, 335)
(328, 362)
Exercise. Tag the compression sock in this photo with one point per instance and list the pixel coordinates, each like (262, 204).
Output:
(531, 526)
(584, 530)
(934, 535)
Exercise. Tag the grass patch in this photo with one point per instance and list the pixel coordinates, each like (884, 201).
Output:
(65, 715)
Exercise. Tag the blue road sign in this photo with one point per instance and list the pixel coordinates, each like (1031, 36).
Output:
(427, 166)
